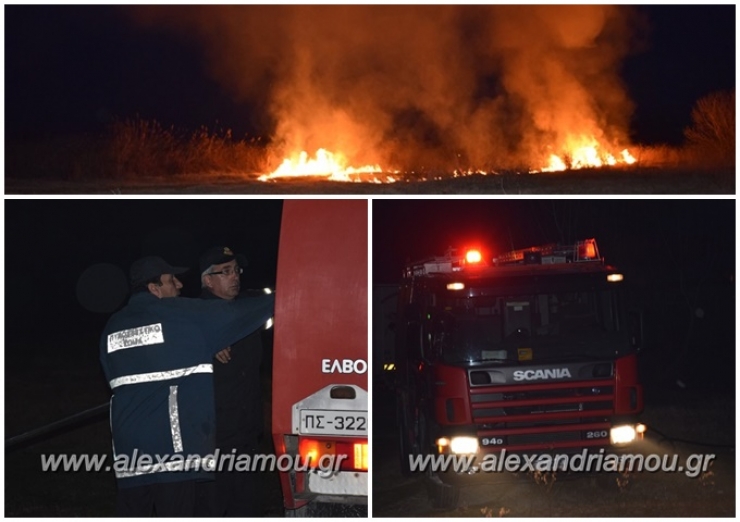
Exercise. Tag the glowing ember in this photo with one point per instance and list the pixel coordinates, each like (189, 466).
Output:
(327, 165)
(470, 172)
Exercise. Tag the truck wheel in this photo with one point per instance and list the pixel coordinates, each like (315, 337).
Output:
(441, 495)
(404, 444)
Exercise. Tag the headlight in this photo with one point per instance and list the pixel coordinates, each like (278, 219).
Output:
(464, 445)
(622, 434)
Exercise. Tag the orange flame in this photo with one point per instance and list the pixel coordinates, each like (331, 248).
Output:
(584, 152)
(327, 165)
(579, 153)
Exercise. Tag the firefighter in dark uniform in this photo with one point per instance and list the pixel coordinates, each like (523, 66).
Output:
(157, 355)
(237, 385)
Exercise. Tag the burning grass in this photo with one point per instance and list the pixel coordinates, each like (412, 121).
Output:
(145, 156)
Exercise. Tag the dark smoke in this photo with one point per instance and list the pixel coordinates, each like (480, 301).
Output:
(427, 86)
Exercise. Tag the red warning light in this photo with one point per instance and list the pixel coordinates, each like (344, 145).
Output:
(587, 250)
(473, 256)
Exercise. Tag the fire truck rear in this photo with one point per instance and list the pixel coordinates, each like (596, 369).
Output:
(528, 353)
(319, 411)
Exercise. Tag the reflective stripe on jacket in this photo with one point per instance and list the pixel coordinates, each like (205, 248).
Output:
(157, 357)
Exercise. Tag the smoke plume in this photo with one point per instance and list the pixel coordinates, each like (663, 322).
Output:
(421, 86)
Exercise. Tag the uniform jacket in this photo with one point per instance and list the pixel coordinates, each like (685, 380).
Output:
(238, 389)
(157, 357)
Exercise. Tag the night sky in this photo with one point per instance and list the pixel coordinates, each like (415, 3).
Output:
(645, 238)
(50, 244)
(77, 68)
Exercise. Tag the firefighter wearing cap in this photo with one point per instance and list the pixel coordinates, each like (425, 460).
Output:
(237, 383)
(157, 356)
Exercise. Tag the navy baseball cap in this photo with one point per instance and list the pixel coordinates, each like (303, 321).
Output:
(219, 255)
(147, 268)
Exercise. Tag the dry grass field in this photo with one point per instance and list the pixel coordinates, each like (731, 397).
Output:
(591, 181)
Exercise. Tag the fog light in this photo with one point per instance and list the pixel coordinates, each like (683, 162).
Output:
(464, 445)
(622, 434)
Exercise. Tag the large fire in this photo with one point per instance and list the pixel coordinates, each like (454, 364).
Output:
(581, 153)
(430, 90)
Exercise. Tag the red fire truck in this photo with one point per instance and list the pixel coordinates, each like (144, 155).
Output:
(319, 388)
(530, 352)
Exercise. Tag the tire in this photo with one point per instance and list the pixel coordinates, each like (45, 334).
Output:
(405, 447)
(441, 495)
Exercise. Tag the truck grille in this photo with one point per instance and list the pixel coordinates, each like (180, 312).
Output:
(537, 416)
(539, 438)
(520, 403)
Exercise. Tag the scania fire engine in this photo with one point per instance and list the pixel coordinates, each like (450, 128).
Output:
(319, 382)
(529, 352)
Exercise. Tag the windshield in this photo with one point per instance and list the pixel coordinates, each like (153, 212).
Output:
(527, 327)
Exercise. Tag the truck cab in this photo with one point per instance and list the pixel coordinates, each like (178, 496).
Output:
(528, 352)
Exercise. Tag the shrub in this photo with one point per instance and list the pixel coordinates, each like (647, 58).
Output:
(711, 136)
(143, 148)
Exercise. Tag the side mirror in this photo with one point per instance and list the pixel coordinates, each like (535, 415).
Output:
(391, 324)
(635, 326)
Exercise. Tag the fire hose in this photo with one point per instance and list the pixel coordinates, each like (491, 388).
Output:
(73, 421)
